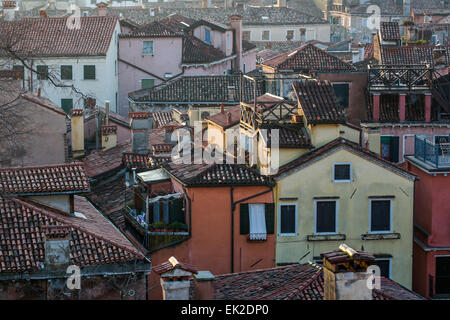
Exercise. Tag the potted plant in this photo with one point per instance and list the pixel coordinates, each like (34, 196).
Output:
(159, 226)
(178, 226)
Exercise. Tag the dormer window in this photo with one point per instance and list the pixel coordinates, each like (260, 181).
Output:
(342, 172)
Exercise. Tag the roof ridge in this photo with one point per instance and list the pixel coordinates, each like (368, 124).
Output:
(258, 270)
(306, 283)
(69, 164)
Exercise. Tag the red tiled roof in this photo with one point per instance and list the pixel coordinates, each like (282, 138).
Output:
(368, 51)
(44, 179)
(197, 51)
(103, 161)
(308, 58)
(292, 282)
(216, 174)
(177, 22)
(318, 101)
(290, 136)
(93, 241)
(52, 38)
(162, 118)
(390, 31)
(228, 118)
(154, 29)
(337, 143)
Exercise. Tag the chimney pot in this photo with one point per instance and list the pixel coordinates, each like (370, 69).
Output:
(39, 92)
(228, 117)
(77, 130)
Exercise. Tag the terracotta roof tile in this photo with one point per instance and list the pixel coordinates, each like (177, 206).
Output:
(228, 118)
(162, 118)
(308, 58)
(103, 161)
(93, 241)
(51, 37)
(196, 51)
(173, 264)
(292, 282)
(318, 101)
(44, 179)
(216, 174)
(390, 31)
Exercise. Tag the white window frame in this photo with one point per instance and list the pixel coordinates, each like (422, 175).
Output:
(153, 48)
(262, 33)
(391, 217)
(210, 35)
(343, 163)
(390, 264)
(336, 213)
(279, 219)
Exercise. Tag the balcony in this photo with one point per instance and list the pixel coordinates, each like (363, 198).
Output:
(400, 78)
(435, 155)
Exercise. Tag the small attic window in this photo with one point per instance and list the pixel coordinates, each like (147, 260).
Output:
(231, 93)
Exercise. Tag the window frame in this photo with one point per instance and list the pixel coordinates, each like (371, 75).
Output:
(336, 213)
(391, 218)
(153, 48)
(293, 34)
(209, 32)
(39, 75)
(279, 219)
(351, 172)
(84, 71)
(66, 99)
(61, 72)
(249, 35)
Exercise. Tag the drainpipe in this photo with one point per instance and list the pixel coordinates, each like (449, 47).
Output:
(233, 207)
(189, 204)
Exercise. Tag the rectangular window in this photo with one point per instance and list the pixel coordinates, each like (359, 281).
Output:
(443, 275)
(42, 72)
(443, 144)
(385, 266)
(257, 217)
(246, 35)
(289, 35)
(326, 216)
(67, 105)
(66, 73)
(89, 72)
(342, 91)
(342, 172)
(380, 215)
(208, 36)
(147, 47)
(287, 219)
(147, 83)
(257, 220)
(19, 71)
(390, 148)
(265, 35)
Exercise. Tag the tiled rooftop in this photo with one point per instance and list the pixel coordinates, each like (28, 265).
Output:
(173, 264)
(308, 58)
(192, 89)
(93, 241)
(390, 31)
(51, 37)
(102, 161)
(228, 118)
(62, 178)
(197, 51)
(292, 282)
(162, 118)
(318, 101)
(293, 136)
(216, 174)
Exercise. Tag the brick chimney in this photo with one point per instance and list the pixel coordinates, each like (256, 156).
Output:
(109, 136)
(175, 279)
(77, 122)
(236, 25)
(345, 274)
(101, 9)
(204, 286)
(9, 9)
(141, 123)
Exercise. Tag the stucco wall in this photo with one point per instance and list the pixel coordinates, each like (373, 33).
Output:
(353, 211)
(319, 32)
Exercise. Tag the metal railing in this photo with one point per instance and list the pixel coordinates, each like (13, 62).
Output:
(438, 155)
(391, 77)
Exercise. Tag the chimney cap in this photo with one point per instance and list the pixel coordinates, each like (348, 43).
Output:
(109, 129)
(347, 259)
(173, 264)
(139, 115)
(76, 112)
(204, 276)
(235, 17)
(102, 5)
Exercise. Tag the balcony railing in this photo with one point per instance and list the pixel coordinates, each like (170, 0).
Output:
(400, 77)
(437, 155)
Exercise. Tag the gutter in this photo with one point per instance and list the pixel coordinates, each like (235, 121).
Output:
(233, 207)
(426, 248)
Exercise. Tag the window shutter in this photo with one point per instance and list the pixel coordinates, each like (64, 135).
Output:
(270, 217)
(245, 219)
(394, 149)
